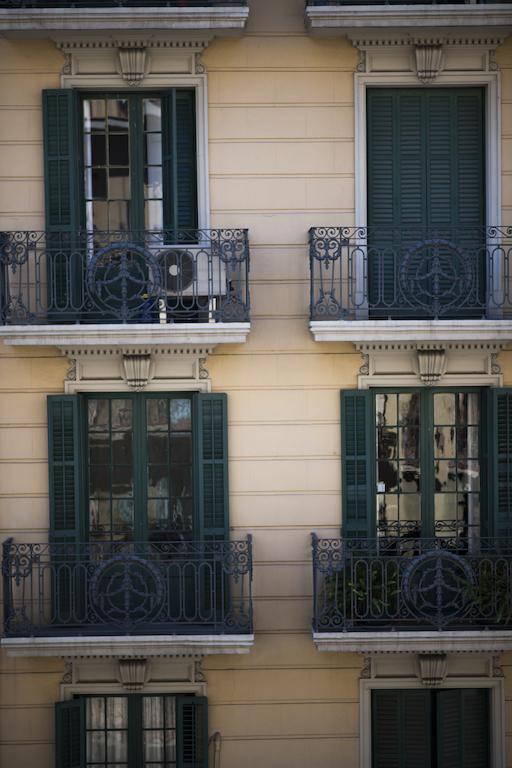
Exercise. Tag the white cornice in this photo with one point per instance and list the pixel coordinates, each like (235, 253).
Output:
(345, 19)
(209, 21)
(395, 331)
(474, 641)
(144, 336)
(128, 647)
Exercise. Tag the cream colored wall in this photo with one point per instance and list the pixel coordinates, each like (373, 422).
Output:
(281, 160)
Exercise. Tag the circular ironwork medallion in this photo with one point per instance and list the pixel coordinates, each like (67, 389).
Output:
(437, 586)
(127, 590)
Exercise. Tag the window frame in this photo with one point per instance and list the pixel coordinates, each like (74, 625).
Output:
(494, 683)
(155, 82)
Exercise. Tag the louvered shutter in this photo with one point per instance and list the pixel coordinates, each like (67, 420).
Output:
(463, 728)
(401, 729)
(425, 176)
(70, 734)
(498, 412)
(65, 473)
(179, 160)
(213, 466)
(62, 208)
(357, 457)
(191, 732)
(64, 463)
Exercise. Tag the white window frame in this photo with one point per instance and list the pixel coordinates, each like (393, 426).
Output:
(496, 714)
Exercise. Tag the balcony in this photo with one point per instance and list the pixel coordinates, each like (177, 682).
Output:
(395, 284)
(178, 596)
(348, 16)
(206, 17)
(406, 593)
(161, 285)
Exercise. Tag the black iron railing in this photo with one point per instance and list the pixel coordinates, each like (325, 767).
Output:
(122, 3)
(406, 583)
(99, 588)
(124, 277)
(406, 2)
(360, 274)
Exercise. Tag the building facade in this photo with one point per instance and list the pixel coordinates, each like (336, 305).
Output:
(256, 384)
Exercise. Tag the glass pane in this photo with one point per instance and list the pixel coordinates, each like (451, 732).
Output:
(386, 405)
(158, 448)
(153, 186)
(409, 477)
(122, 481)
(469, 476)
(118, 149)
(153, 712)
(99, 517)
(444, 408)
(94, 114)
(445, 476)
(156, 410)
(181, 448)
(99, 215)
(117, 712)
(99, 448)
(409, 408)
(170, 746)
(99, 480)
(117, 742)
(158, 480)
(152, 111)
(409, 442)
(410, 508)
(444, 442)
(117, 115)
(181, 515)
(153, 214)
(119, 184)
(387, 440)
(388, 476)
(98, 181)
(153, 745)
(122, 448)
(181, 416)
(122, 515)
(95, 746)
(98, 414)
(118, 215)
(170, 712)
(387, 510)
(181, 480)
(98, 149)
(95, 712)
(158, 514)
(445, 506)
(121, 414)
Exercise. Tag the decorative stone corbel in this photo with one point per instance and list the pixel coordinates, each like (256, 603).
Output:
(432, 365)
(137, 370)
(432, 669)
(429, 62)
(133, 673)
(132, 64)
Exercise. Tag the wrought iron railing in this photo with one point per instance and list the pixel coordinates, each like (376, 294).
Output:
(404, 583)
(406, 2)
(359, 273)
(124, 277)
(100, 588)
(122, 3)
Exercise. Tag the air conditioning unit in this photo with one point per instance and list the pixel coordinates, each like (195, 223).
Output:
(191, 272)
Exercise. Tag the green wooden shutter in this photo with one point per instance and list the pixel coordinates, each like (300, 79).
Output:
(401, 729)
(426, 174)
(65, 471)
(498, 414)
(212, 452)
(191, 732)
(357, 456)
(62, 194)
(70, 734)
(463, 728)
(179, 159)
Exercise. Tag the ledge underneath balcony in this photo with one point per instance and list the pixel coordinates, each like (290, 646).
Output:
(488, 641)
(207, 21)
(412, 331)
(145, 646)
(346, 18)
(130, 335)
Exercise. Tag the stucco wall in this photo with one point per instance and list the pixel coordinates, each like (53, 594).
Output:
(281, 160)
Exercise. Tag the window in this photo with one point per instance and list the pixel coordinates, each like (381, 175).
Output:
(136, 731)
(120, 161)
(429, 462)
(431, 728)
(138, 467)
